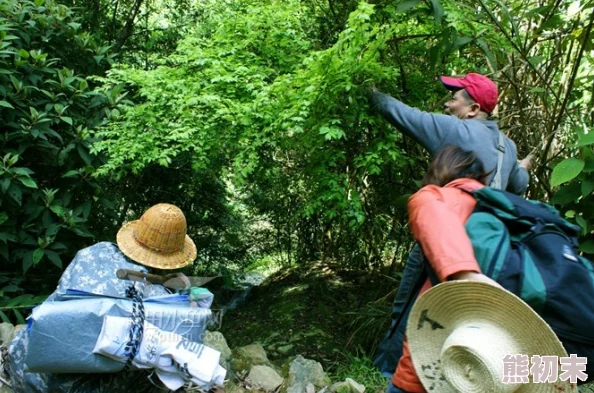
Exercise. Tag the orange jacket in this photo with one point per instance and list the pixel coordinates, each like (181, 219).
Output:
(437, 216)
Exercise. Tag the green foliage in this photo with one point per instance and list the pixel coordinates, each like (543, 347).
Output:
(242, 98)
(576, 194)
(327, 130)
(47, 108)
(139, 31)
(199, 103)
(187, 119)
(360, 368)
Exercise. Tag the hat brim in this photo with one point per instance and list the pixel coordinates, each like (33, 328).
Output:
(460, 303)
(147, 257)
(451, 83)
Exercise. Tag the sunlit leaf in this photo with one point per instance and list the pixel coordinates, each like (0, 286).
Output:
(566, 170)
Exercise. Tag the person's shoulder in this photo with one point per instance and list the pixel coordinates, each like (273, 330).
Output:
(427, 193)
(487, 125)
(510, 143)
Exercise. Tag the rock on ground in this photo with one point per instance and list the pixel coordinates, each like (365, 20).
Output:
(303, 372)
(264, 378)
(250, 355)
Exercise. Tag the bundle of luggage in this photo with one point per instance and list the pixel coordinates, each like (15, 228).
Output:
(96, 331)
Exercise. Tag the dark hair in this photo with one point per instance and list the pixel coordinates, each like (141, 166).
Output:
(467, 96)
(469, 100)
(453, 163)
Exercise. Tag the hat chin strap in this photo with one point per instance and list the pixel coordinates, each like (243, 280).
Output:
(472, 359)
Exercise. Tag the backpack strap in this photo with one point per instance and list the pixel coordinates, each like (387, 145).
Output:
(412, 296)
(426, 273)
(496, 182)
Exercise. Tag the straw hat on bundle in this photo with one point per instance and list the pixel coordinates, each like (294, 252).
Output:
(159, 239)
(459, 333)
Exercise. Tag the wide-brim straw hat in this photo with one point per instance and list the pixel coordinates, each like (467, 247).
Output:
(459, 333)
(158, 239)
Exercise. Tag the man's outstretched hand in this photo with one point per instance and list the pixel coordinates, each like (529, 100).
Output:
(527, 162)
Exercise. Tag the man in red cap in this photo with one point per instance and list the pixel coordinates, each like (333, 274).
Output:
(465, 124)
(475, 96)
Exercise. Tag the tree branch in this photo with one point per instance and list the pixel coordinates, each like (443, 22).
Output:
(128, 27)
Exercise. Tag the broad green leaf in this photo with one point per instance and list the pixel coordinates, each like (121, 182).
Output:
(3, 217)
(406, 5)
(6, 104)
(589, 167)
(52, 230)
(86, 209)
(82, 231)
(70, 173)
(19, 317)
(22, 171)
(567, 193)
(587, 246)
(58, 246)
(84, 154)
(15, 193)
(461, 41)
(566, 170)
(10, 288)
(4, 184)
(59, 210)
(27, 181)
(535, 60)
(54, 258)
(437, 10)
(587, 187)
(4, 318)
(586, 139)
(553, 22)
(37, 255)
(582, 223)
(27, 261)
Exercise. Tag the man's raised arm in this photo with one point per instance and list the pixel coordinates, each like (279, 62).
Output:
(428, 129)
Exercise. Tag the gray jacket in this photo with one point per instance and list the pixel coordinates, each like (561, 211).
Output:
(434, 131)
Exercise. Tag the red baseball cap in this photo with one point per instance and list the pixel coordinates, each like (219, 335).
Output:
(482, 89)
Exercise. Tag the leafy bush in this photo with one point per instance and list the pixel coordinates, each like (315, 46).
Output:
(191, 117)
(576, 194)
(47, 107)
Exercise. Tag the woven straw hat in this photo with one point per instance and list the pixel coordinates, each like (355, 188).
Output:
(459, 333)
(158, 239)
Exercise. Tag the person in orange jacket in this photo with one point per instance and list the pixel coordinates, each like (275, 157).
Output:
(437, 214)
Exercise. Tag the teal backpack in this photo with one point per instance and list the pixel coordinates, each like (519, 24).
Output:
(528, 248)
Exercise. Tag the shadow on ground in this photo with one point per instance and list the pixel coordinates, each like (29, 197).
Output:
(320, 312)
